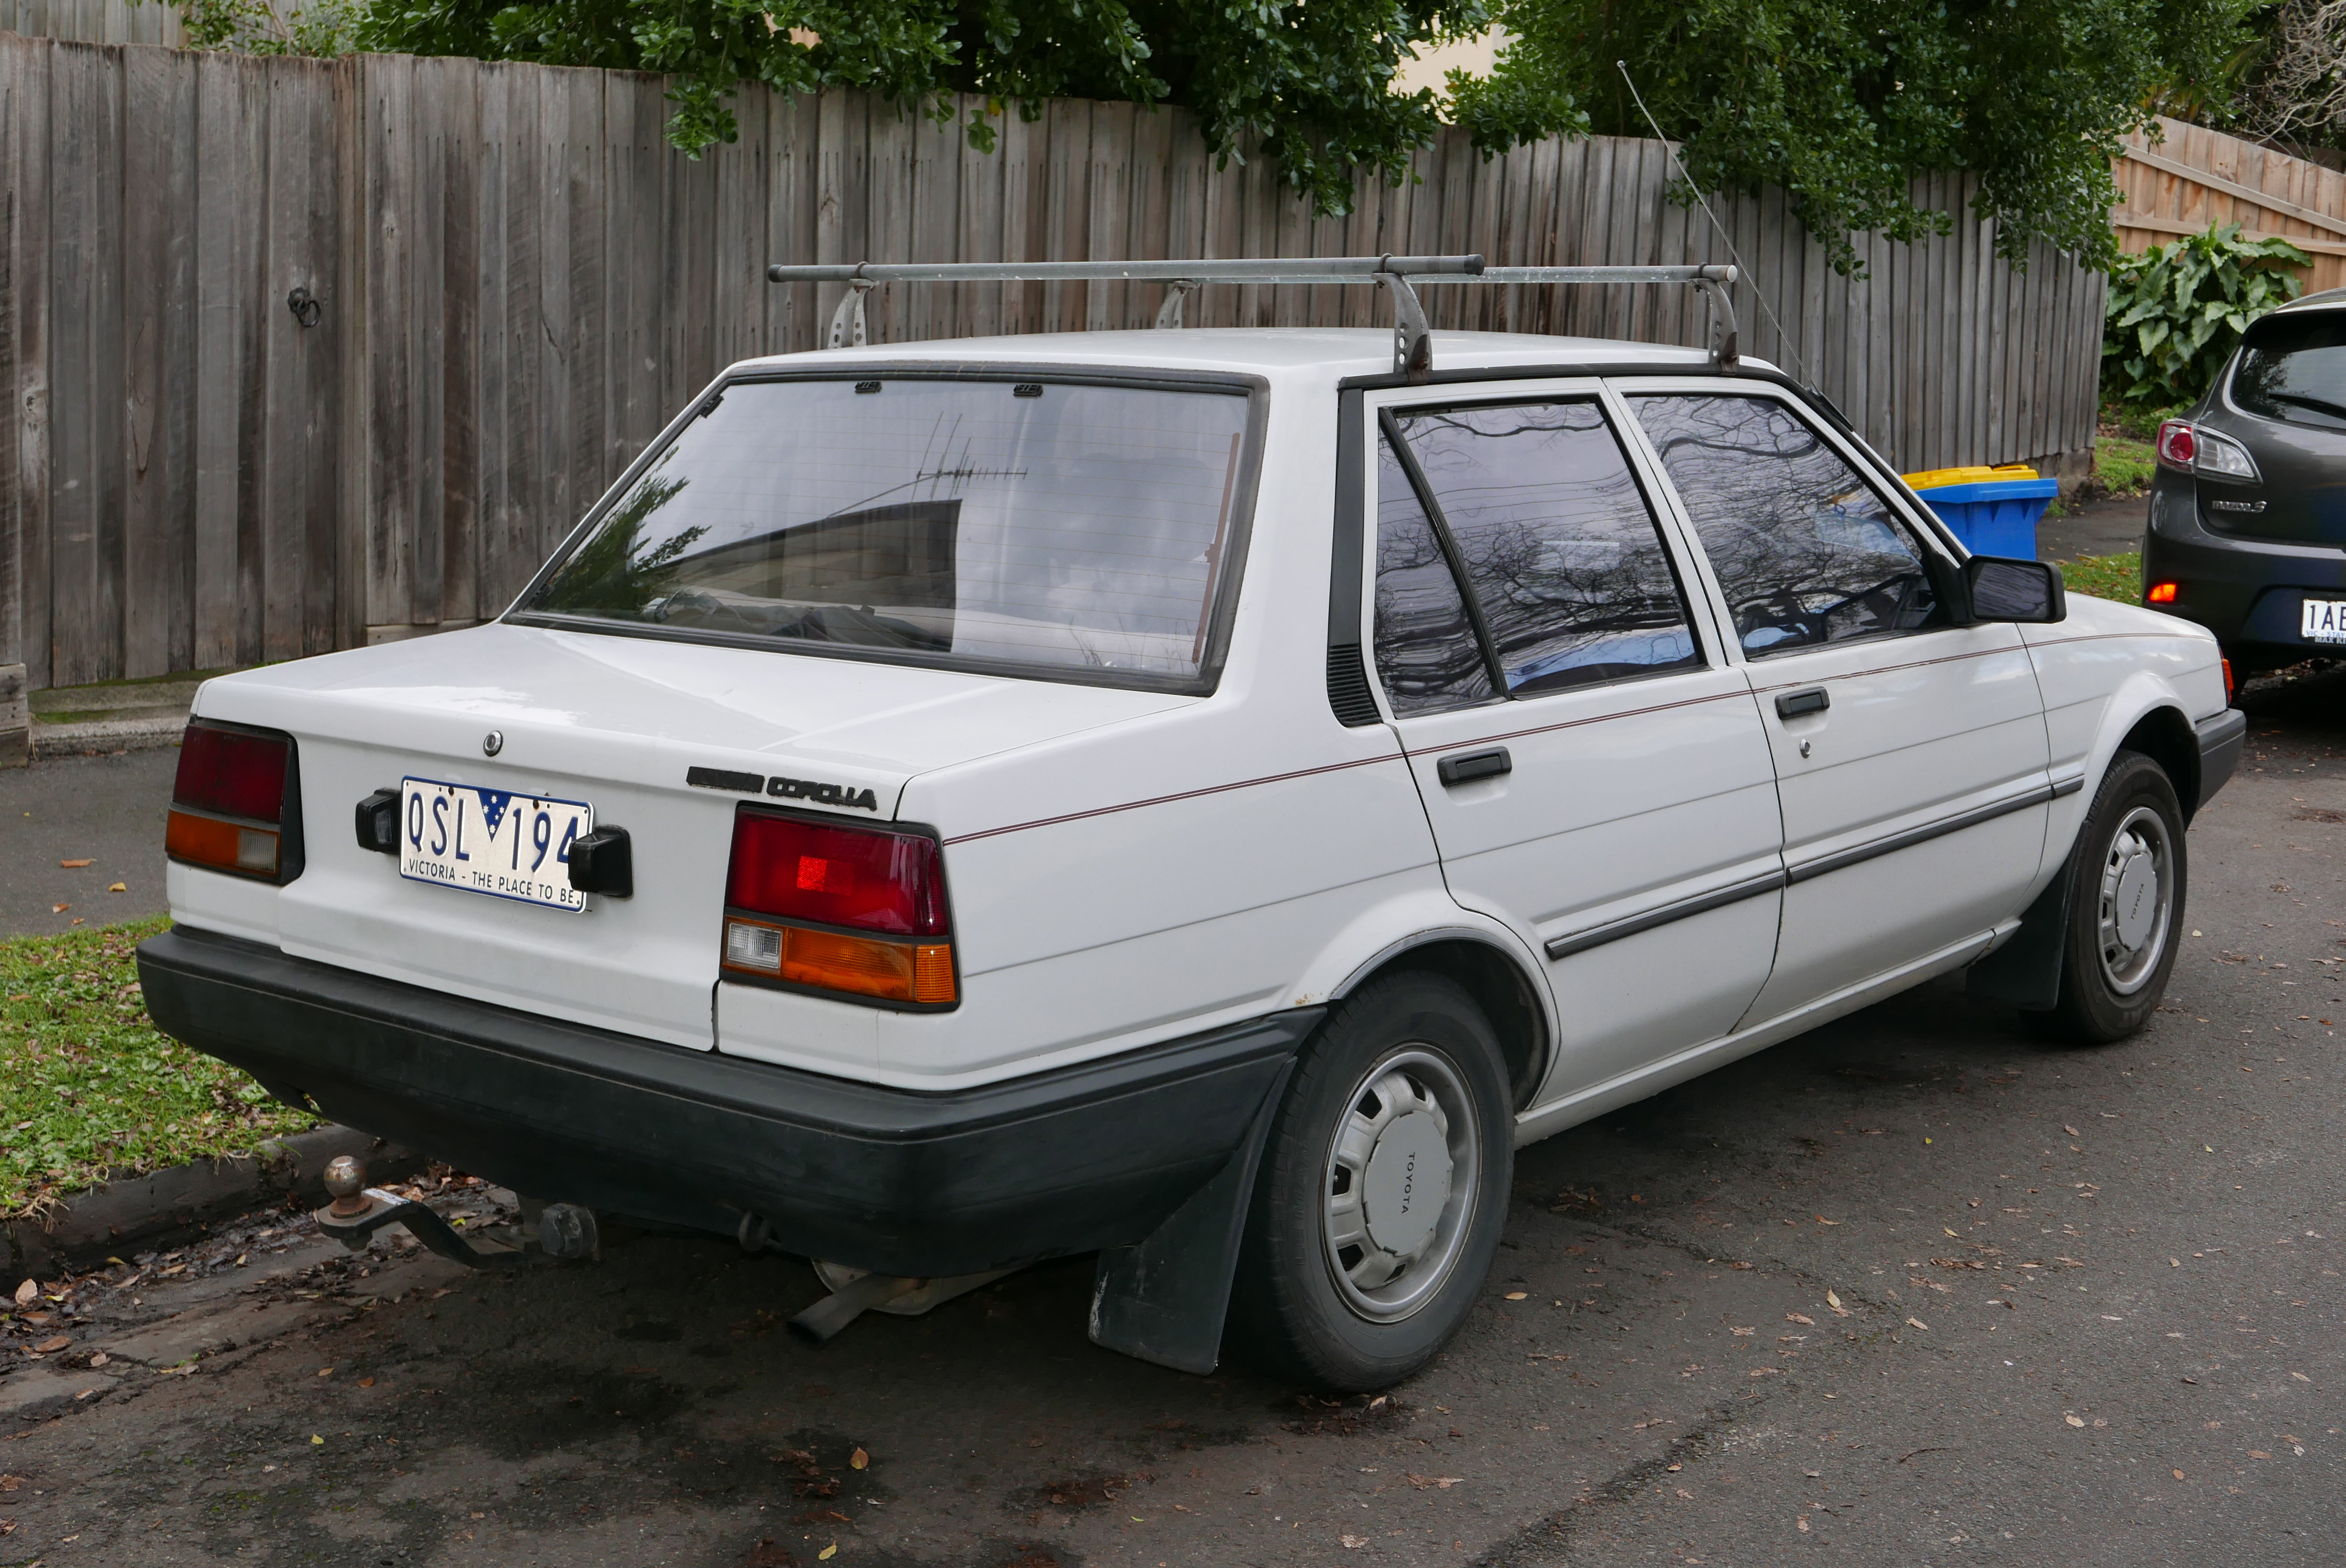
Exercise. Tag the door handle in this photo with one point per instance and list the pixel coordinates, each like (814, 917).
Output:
(1473, 765)
(1794, 704)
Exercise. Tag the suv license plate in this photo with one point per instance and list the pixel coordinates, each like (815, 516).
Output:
(2325, 621)
(491, 841)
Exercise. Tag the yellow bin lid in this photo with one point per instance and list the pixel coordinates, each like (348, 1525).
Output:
(1933, 478)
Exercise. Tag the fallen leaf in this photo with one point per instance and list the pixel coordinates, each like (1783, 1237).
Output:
(119, 888)
(28, 1293)
(828, 1552)
(99, 1358)
(2071, 1131)
(859, 1460)
(2177, 1474)
(73, 865)
(1354, 1542)
(2300, 1377)
(325, 1371)
(366, 1382)
(1804, 1524)
(1823, 1221)
(1740, 1332)
(1799, 1318)
(2259, 1453)
(50, 1346)
(1518, 1295)
(59, 909)
(1918, 1323)
(1682, 1492)
(2074, 1420)
(317, 1441)
(1440, 1482)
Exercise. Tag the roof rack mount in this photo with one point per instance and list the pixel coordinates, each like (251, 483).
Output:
(1399, 276)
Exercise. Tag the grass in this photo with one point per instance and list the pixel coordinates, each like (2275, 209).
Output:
(2124, 466)
(2116, 577)
(89, 1090)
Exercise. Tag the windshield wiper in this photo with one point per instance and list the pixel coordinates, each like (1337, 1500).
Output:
(2333, 410)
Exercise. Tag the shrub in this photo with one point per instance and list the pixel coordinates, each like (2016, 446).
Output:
(2176, 313)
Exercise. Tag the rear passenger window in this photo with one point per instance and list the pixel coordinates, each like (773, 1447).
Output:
(1806, 552)
(1557, 543)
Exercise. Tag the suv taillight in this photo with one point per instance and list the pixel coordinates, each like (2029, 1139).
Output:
(236, 788)
(839, 908)
(2179, 444)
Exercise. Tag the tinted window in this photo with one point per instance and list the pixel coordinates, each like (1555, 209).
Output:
(2294, 367)
(1559, 547)
(1806, 552)
(1426, 650)
(1040, 523)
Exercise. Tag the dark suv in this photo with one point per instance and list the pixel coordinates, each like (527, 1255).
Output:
(2247, 515)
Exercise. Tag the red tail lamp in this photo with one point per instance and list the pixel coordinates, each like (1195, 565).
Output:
(837, 907)
(230, 804)
(2179, 443)
(2162, 593)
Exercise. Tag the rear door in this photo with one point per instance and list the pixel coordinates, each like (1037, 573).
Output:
(1910, 749)
(1595, 769)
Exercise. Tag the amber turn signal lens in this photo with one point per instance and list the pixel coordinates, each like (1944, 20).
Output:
(225, 846)
(2162, 593)
(921, 973)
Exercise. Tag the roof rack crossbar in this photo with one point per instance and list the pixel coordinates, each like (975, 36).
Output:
(1399, 275)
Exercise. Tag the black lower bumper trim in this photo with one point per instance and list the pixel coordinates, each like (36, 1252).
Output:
(2221, 738)
(905, 1183)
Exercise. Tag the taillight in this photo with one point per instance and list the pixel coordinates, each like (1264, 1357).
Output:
(837, 907)
(235, 802)
(2228, 688)
(2162, 593)
(2179, 443)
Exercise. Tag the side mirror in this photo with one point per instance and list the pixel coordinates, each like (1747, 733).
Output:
(2003, 589)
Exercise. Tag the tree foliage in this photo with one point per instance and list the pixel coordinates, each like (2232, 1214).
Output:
(1310, 84)
(2175, 313)
(1842, 102)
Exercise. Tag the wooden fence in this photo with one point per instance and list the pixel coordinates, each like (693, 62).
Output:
(517, 280)
(2197, 177)
(93, 21)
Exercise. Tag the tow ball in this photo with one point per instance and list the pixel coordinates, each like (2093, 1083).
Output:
(558, 1230)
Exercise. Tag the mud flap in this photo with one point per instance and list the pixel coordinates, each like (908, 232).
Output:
(1163, 1300)
(2027, 971)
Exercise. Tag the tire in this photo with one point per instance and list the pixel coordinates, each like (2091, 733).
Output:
(2128, 878)
(1344, 1283)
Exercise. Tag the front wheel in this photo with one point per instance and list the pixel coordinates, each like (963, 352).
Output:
(1382, 1192)
(2126, 876)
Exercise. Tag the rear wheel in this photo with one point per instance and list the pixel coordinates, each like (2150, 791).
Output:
(1382, 1191)
(2127, 876)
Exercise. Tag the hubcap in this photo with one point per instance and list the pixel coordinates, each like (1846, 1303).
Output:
(1400, 1184)
(2137, 899)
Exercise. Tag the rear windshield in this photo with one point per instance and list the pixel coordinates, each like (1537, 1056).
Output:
(2294, 367)
(1073, 527)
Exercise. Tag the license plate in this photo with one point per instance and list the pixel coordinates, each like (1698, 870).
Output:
(2325, 621)
(492, 842)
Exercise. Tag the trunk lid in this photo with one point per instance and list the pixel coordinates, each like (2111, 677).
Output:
(662, 738)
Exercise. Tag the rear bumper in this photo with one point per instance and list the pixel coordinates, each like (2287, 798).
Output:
(2250, 592)
(913, 1183)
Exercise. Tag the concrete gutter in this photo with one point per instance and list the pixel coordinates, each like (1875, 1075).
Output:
(141, 1209)
(132, 716)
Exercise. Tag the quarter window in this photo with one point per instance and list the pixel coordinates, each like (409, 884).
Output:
(1806, 552)
(1427, 648)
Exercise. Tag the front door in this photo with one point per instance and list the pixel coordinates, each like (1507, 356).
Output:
(1595, 771)
(1910, 750)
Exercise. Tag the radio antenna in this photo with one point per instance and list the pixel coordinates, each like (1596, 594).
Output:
(1757, 292)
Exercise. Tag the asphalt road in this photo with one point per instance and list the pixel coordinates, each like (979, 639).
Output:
(108, 810)
(1913, 1289)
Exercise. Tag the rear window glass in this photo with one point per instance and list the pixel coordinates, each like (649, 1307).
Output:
(1031, 523)
(2294, 367)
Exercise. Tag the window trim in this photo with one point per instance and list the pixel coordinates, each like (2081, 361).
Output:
(1679, 550)
(1942, 554)
(1221, 615)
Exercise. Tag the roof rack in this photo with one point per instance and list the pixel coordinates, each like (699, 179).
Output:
(1399, 276)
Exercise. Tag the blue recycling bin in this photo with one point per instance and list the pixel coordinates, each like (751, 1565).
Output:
(1996, 517)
